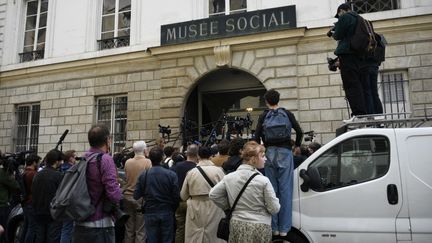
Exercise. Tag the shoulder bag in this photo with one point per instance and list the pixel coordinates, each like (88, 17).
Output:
(224, 223)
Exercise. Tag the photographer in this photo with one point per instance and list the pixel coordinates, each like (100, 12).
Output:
(7, 185)
(349, 63)
(103, 189)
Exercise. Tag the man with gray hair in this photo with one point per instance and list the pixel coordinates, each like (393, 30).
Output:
(135, 231)
(181, 169)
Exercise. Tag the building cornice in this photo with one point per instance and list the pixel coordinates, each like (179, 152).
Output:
(141, 60)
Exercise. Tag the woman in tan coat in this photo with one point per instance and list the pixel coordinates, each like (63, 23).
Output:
(203, 215)
(251, 218)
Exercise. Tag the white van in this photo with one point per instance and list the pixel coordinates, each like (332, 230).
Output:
(367, 185)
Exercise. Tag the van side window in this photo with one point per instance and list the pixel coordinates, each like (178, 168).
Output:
(353, 161)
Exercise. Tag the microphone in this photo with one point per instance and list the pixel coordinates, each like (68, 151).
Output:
(62, 138)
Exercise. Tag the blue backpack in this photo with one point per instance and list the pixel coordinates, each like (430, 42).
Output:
(277, 126)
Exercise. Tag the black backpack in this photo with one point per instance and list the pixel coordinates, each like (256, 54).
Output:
(363, 41)
(379, 53)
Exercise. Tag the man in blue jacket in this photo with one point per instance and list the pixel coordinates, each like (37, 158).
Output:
(159, 188)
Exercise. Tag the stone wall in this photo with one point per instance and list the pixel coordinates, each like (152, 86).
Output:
(158, 85)
(70, 104)
(2, 26)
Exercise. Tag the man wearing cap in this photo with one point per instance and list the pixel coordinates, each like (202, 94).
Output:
(349, 62)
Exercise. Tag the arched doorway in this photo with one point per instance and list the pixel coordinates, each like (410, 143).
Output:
(225, 103)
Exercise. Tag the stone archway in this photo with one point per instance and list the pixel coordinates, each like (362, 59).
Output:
(223, 96)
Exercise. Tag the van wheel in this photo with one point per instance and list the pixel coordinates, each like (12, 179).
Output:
(292, 237)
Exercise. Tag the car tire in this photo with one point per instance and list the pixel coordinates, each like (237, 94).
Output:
(292, 237)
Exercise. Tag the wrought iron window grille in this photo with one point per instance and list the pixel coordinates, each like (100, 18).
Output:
(370, 6)
(115, 42)
(31, 55)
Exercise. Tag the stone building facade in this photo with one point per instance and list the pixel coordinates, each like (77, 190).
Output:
(158, 81)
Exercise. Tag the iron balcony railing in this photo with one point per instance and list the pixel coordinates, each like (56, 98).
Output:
(31, 55)
(370, 6)
(115, 42)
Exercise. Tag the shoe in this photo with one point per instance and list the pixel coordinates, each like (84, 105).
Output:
(349, 120)
(276, 232)
(283, 234)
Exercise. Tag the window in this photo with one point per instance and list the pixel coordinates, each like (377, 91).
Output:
(27, 127)
(393, 90)
(35, 30)
(116, 17)
(370, 6)
(353, 161)
(112, 111)
(217, 7)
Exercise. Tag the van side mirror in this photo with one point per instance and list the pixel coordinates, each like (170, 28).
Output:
(311, 179)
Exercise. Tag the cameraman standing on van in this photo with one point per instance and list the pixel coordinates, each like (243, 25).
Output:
(349, 63)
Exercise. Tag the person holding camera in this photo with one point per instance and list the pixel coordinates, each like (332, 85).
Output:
(348, 62)
(160, 190)
(103, 188)
(8, 184)
(135, 231)
(44, 187)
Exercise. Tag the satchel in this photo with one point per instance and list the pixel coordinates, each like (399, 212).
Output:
(224, 224)
(223, 229)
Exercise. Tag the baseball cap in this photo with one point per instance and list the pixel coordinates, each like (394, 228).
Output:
(343, 6)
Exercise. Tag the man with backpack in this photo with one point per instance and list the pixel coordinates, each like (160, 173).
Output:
(350, 60)
(274, 129)
(103, 188)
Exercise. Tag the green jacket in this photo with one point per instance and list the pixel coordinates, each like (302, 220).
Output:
(7, 185)
(344, 29)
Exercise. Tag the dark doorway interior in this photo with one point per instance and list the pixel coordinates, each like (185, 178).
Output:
(225, 103)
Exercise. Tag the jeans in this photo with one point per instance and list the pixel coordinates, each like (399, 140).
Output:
(350, 66)
(66, 232)
(29, 230)
(48, 232)
(279, 170)
(93, 235)
(159, 227)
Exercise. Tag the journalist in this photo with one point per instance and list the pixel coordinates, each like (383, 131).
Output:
(348, 62)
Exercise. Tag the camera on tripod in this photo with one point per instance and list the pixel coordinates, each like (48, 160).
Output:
(165, 130)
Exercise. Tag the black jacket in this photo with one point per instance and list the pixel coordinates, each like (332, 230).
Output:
(44, 188)
(259, 135)
(232, 164)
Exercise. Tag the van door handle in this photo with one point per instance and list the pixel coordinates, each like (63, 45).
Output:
(392, 194)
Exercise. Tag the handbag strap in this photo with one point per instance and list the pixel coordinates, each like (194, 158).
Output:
(145, 187)
(241, 192)
(205, 176)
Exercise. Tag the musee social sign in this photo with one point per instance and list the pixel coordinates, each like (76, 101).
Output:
(222, 26)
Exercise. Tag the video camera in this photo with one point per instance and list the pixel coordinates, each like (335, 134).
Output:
(164, 130)
(332, 65)
(309, 136)
(12, 161)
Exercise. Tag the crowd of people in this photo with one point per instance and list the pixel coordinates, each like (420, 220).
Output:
(169, 196)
